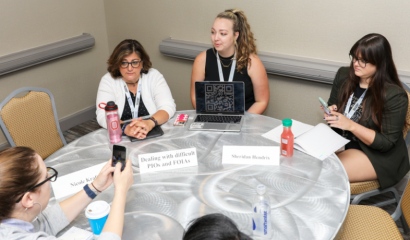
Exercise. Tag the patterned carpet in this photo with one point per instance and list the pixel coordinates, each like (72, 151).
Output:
(92, 125)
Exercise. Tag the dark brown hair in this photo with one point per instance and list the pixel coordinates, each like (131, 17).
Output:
(19, 171)
(214, 226)
(375, 49)
(245, 42)
(121, 51)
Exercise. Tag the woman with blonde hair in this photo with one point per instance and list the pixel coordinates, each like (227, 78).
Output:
(233, 47)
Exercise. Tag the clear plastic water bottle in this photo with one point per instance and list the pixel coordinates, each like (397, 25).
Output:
(113, 122)
(261, 213)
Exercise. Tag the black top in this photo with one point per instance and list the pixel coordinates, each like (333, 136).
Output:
(142, 110)
(354, 141)
(212, 74)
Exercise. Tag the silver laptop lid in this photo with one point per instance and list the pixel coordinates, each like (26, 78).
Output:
(220, 97)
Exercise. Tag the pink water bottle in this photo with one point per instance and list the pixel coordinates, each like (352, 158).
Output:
(113, 122)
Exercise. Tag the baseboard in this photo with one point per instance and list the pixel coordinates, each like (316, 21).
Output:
(77, 118)
(69, 121)
(4, 145)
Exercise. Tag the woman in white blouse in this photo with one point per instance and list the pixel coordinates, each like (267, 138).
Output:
(137, 88)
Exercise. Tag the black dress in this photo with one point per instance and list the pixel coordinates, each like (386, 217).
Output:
(212, 74)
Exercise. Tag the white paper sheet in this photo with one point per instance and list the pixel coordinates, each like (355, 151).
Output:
(298, 128)
(75, 233)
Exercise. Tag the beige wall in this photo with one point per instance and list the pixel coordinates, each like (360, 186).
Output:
(316, 29)
(74, 79)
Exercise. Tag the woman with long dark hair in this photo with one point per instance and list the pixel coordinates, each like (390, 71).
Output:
(368, 106)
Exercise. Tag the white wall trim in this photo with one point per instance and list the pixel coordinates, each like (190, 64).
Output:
(311, 69)
(45, 53)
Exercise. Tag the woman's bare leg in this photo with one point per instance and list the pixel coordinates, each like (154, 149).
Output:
(357, 165)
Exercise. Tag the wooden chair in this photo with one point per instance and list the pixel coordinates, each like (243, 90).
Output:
(32, 121)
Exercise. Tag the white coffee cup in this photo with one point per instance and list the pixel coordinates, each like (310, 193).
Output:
(97, 214)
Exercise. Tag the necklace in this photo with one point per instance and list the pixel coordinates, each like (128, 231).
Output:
(223, 65)
(133, 84)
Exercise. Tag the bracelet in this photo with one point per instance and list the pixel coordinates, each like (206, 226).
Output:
(92, 184)
(154, 120)
(89, 192)
(123, 127)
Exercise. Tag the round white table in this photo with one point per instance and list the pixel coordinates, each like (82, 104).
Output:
(309, 197)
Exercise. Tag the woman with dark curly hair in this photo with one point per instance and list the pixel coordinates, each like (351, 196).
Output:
(137, 88)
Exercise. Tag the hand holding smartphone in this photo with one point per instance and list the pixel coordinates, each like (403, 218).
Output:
(324, 105)
(119, 154)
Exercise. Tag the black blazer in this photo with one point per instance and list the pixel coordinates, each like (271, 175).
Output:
(388, 152)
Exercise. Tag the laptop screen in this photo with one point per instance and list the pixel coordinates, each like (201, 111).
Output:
(220, 97)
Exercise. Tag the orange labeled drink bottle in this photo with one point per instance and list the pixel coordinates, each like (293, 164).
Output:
(286, 139)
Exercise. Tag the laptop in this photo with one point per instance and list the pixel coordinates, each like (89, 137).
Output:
(220, 106)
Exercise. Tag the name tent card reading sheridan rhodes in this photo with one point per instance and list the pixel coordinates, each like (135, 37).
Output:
(153, 162)
(256, 155)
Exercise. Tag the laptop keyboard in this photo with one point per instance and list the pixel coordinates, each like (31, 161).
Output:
(218, 119)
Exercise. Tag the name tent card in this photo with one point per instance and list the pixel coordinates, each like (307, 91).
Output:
(74, 182)
(153, 162)
(255, 155)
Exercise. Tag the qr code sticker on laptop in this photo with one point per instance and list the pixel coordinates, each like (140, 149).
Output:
(219, 98)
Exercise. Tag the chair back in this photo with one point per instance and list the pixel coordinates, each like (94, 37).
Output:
(405, 198)
(406, 127)
(32, 121)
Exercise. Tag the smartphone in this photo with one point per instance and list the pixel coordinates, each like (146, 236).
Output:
(119, 154)
(324, 105)
(181, 120)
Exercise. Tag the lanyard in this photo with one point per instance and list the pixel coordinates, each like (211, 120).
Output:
(134, 109)
(221, 76)
(355, 106)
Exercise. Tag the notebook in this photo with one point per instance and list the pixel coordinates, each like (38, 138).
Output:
(319, 141)
(220, 106)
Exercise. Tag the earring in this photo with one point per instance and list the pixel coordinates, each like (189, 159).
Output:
(22, 214)
(41, 209)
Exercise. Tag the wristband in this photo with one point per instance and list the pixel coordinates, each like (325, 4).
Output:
(123, 127)
(154, 120)
(89, 192)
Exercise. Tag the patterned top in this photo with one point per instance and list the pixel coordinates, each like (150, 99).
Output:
(142, 110)
(353, 144)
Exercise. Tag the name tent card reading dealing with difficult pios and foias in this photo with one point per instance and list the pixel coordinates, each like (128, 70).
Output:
(153, 162)
(74, 182)
(256, 155)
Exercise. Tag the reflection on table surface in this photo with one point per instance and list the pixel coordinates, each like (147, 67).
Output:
(309, 197)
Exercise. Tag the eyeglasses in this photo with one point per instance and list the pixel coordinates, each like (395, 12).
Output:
(353, 59)
(134, 64)
(53, 177)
